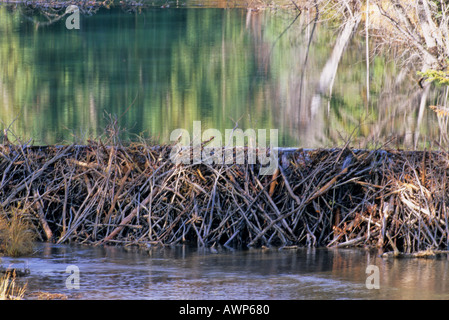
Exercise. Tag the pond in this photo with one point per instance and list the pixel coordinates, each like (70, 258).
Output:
(163, 69)
(182, 272)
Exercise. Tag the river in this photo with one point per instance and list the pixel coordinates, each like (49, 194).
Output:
(183, 272)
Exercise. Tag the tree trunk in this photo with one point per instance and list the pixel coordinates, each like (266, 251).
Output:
(330, 69)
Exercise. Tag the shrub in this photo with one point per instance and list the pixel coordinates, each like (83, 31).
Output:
(440, 77)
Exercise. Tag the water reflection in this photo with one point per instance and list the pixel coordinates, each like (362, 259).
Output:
(191, 273)
(163, 69)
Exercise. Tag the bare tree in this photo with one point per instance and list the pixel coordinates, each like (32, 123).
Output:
(421, 26)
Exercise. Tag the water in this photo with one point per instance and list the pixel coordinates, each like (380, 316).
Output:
(162, 69)
(191, 273)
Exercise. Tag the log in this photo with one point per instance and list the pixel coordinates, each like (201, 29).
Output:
(41, 215)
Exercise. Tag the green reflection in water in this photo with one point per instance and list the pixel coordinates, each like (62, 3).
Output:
(163, 69)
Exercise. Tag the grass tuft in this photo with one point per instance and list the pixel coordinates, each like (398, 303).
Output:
(8, 288)
(16, 234)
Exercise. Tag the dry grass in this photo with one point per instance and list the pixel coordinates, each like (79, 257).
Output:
(42, 295)
(16, 235)
(8, 288)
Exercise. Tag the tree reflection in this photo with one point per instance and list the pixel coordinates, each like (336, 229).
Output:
(217, 66)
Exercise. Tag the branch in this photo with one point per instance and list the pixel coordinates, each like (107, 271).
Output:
(428, 58)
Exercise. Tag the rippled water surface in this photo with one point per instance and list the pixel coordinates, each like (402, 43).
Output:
(191, 273)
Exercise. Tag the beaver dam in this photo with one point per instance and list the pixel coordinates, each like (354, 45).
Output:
(98, 194)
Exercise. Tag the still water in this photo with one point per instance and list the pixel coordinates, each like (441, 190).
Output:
(191, 273)
(161, 69)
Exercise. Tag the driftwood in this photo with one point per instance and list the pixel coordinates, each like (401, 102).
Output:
(99, 194)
